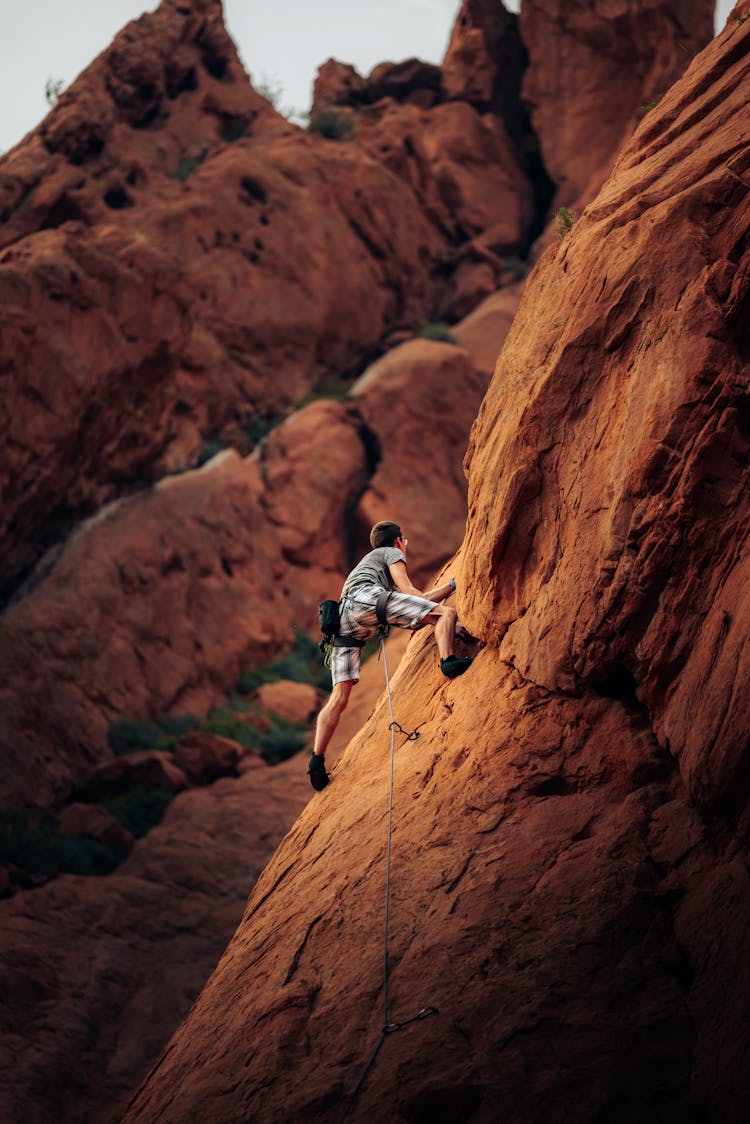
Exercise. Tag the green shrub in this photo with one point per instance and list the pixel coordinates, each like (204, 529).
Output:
(332, 124)
(329, 388)
(303, 664)
(210, 449)
(178, 725)
(254, 430)
(644, 109)
(139, 808)
(243, 438)
(564, 220)
(53, 88)
(40, 850)
(271, 89)
(438, 331)
(282, 741)
(128, 734)
(225, 723)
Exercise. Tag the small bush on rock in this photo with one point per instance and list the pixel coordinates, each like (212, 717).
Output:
(439, 332)
(139, 808)
(332, 124)
(564, 220)
(226, 724)
(40, 850)
(302, 664)
(128, 734)
(282, 741)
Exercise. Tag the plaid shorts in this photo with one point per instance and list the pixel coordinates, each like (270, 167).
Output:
(360, 620)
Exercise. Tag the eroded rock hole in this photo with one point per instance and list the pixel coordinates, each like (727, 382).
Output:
(553, 786)
(232, 127)
(117, 199)
(216, 65)
(182, 82)
(63, 210)
(255, 189)
(618, 683)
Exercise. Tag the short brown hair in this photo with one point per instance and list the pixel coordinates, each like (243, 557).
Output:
(384, 534)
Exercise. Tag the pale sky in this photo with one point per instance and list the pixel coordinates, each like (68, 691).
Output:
(281, 42)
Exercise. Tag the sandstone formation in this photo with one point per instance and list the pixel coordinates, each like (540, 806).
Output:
(180, 264)
(180, 260)
(438, 389)
(96, 973)
(180, 268)
(485, 63)
(592, 71)
(482, 333)
(569, 881)
(158, 603)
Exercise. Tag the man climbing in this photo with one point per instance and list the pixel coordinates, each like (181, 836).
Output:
(381, 571)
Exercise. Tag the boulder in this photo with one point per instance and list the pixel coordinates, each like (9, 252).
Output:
(418, 481)
(154, 607)
(413, 81)
(462, 164)
(153, 768)
(482, 333)
(205, 757)
(97, 823)
(294, 702)
(314, 468)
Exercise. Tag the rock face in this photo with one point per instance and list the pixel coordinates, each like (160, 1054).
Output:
(178, 267)
(157, 604)
(96, 972)
(485, 62)
(178, 260)
(577, 51)
(437, 388)
(569, 901)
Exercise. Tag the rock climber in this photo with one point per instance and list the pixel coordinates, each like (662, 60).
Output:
(383, 569)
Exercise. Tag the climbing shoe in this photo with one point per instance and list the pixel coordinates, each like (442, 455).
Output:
(453, 666)
(317, 771)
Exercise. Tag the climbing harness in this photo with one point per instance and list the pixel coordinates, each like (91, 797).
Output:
(330, 623)
(388, 1026)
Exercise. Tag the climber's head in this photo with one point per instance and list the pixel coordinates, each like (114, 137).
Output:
(385, 533)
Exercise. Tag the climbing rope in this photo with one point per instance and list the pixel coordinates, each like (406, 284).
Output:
(388, 1026)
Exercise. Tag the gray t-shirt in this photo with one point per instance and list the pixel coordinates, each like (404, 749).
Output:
(373, 569)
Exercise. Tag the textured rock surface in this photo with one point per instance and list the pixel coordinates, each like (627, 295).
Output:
(180, 263)
(172, 275)
(437, 387)
(624, 572)
(485, 62)
(483, 331)
(96, 973)
(413, 81)
(570, 883)
(157, 604)
(578, 51)
(296, 702)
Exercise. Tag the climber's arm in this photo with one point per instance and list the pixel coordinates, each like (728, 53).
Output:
(403, 584)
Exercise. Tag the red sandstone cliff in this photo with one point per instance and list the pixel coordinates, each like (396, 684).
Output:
(179, 265)
(570, 880)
